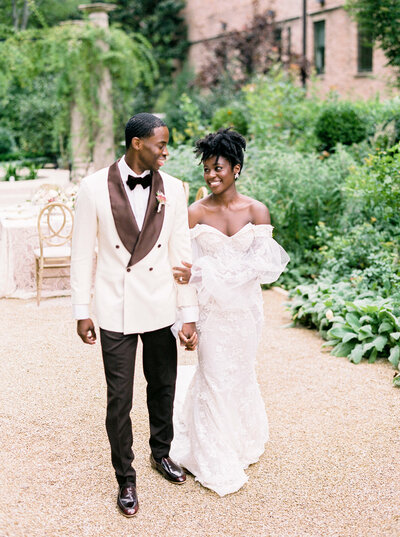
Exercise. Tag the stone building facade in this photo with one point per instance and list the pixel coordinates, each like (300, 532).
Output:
(335, 49)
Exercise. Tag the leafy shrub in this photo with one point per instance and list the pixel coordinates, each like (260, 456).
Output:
(280, 111)
(363, 247)
(356, 324)
(183, 164)
(340, 122)
(11, 172)
(373, 190)
(206, 103)
(190, 120)
(230, 116)
(47, 71)
(32, 110)
(7, 141)
(386, 116)
(20, 171)
(300, 190)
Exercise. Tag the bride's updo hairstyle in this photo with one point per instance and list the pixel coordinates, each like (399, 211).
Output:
(223, 143)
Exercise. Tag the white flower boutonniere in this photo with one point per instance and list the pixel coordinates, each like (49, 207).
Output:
(162, 200)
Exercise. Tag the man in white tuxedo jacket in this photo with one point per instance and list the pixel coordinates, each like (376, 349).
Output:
(138, 216)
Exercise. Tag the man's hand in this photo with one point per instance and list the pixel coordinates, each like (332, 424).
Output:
(188, 336)
(86, 331)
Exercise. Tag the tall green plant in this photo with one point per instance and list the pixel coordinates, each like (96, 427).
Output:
(373, 190)
(299, 189)
(72, 58)
(340, 122)
(163, 25)
(279, 110)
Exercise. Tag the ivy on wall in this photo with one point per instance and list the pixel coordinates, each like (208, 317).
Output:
(67, 62)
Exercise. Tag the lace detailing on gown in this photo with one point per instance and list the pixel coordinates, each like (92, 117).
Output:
(221, 426)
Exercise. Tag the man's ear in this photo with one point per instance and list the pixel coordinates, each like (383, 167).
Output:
(136, 143)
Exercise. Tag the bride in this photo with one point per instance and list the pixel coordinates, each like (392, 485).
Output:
(221, 427)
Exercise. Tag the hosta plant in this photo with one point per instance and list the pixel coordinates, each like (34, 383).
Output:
(356, 325)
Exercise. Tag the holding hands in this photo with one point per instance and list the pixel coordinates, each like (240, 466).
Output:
(187, 335)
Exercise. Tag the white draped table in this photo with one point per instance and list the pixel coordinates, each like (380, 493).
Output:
(18, 238)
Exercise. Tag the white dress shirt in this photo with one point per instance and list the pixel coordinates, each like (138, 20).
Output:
(139, 196)
(138, 199)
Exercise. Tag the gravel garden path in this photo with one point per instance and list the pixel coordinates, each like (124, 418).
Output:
(331, 467)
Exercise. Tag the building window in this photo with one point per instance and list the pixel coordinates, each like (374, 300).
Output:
(289, 41)
(319, 47)
(365, 51)
(278, 41)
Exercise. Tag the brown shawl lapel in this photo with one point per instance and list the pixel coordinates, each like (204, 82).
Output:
(138, 243)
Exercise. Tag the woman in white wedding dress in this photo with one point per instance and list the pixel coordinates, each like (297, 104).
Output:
(221, 425)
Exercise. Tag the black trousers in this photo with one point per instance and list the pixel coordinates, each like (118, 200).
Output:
(159, 366)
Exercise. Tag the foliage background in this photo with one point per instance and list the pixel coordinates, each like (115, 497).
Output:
(328, 169)
(335, 207)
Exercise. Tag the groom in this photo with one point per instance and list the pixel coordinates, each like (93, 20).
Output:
(139, 217)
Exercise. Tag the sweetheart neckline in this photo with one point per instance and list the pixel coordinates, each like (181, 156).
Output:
(237, 232)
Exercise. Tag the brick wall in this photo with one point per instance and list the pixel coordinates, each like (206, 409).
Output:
(209, 18)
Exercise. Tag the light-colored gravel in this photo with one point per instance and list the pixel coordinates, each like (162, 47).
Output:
(331, 468)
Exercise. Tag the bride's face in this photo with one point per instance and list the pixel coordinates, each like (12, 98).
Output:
(219, 174)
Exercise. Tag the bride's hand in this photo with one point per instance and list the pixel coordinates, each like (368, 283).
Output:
(182, 274)
(188, 336)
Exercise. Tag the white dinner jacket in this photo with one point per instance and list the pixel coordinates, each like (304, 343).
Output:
(135, 291)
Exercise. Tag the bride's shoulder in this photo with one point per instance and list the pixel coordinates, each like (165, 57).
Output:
(259, 212)
(196, 212)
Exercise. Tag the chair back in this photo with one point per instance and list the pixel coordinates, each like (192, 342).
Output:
(55, 223)
(201, 193)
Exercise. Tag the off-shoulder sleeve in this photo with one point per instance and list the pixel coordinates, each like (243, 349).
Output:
(231, 281)
(266, 258)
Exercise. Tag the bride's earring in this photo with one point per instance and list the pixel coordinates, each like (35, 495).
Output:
(236, 176)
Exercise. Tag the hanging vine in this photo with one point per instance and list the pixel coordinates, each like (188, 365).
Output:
(69, 60)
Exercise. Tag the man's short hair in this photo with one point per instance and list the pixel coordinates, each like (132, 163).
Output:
(141, 126)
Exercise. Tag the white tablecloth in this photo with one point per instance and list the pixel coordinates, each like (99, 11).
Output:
(18, 238)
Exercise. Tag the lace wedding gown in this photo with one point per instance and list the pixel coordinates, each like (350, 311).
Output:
(220, 421)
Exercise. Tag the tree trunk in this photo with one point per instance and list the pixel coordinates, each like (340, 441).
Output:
(20, 15)
(25, 15)
(15, 16)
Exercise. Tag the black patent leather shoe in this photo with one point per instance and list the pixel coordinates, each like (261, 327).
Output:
(169, 469)
(127, 500)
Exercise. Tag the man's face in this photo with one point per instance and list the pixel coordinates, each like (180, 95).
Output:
(153, 150)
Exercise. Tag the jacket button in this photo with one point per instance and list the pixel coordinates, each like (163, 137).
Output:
(159, 246)
(128, 270)
(117, 246)
(151, 268)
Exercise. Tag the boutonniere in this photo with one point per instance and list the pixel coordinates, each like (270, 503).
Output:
(162, 200)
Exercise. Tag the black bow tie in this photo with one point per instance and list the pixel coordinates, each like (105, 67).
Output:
(133, 181)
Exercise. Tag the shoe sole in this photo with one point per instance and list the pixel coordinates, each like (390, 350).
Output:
(124, 514)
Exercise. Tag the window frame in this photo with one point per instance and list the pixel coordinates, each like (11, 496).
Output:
(366, 49)
(318, 49)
